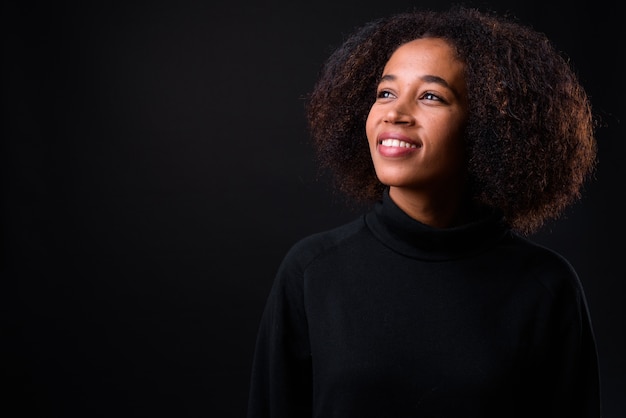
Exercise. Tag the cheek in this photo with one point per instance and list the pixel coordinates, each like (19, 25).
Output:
(370, 127)
(455, 150)
(449, 129)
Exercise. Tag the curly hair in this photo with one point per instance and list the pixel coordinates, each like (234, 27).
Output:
(530, 136)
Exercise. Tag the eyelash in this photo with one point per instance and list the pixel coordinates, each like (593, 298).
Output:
(433, 95)
(383, 94)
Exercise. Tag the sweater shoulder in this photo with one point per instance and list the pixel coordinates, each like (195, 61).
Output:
(309, 248)
(548, 268)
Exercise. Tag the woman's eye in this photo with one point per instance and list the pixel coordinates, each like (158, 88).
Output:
(431, 96)
(384, 94)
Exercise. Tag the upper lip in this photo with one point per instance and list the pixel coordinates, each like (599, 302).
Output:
(396, 135)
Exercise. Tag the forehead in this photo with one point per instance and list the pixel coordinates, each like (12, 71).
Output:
(425, 53)
(427, 59)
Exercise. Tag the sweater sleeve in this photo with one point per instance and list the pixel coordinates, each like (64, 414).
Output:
(565, 377)
(577, 382)
(280, 384)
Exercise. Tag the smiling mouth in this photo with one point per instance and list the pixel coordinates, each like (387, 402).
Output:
(396, 143)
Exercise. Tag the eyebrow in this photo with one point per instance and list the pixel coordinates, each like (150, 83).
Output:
(427, 78)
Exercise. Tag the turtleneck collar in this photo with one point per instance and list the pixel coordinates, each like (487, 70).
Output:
(403, 234)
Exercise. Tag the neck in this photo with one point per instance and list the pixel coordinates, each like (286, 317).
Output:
(443, 211)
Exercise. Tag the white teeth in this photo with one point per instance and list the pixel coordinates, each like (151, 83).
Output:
(397, 143)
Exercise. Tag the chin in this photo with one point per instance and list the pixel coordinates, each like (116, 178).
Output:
(394, 178)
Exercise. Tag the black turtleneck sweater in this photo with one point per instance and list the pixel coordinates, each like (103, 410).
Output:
(388, 317)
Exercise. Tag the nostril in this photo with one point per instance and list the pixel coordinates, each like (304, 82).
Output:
(398, 116)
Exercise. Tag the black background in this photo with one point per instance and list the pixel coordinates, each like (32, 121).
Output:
(156, 168)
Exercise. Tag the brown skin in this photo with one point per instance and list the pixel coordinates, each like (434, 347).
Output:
(528, 141)
(415, 127)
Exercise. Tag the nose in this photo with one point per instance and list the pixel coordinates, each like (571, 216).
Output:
(399, 112)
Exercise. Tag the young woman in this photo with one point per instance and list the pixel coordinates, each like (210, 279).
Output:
(467, 131)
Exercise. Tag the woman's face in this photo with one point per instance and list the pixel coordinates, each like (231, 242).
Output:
(415, 126)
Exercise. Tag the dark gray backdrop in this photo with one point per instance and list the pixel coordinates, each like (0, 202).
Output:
(155, 169)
